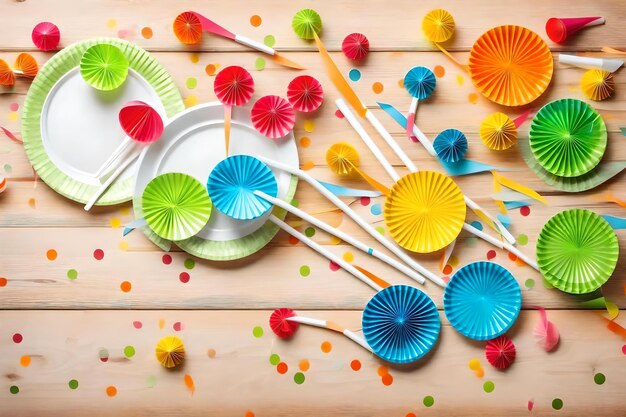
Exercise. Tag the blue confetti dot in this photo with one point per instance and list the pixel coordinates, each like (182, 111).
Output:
(477, 225)
(376, 209)
(354, 74)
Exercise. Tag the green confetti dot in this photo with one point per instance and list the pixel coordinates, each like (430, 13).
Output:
(309, 232)
(599, 378)
(471, 242)
(259, 64)
(429, 401)
(72, 274)
(274, 359)
(557, 403)
(489, 386)
(529, 283)
(14, 389)
(295, 202)
(269, 40)
(381, 230)
(522, 239)
(129, 351)
(151, 381)
(257, 331)
(299, 378)
(191, 83)
(189, 263)
(73, 384)
(305, 270)
(8, 168)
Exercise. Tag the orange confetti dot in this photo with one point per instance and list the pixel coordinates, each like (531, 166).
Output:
(25, 360)
(51, 254)
(194, 58)
(387, 379)
(111, 391)
(32, 202)
(307, 165)
(447, 270)
(410, 415)
(146, 32)
(355, 365)
(189, 383)
(512, 256)
(249, 414)
(305, 142)
(282, 368)
(326, 347)
(255, 20)
(377, 87)
(439, 71)
(401, 83)
(210, 69)
(126, 286)
(161, 324)
(382, 370)
(3, 282)
(211, 353)
(304, 365)
(473, 98)
(480, 372)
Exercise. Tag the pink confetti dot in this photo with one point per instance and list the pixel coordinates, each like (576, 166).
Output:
(333, 266)
(339, 114)
(178, 326)
(491, 254)
(167, 259)
(365, 201)
(98, 254)
(17, 338)
(14, 107)
(137, 325)
(524, 211)
(184, 277)
(624, 349)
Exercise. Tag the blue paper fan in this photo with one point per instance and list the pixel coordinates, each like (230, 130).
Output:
(401, 324)
(450, 145)
(482, 300)
(420, 82)
(232, 184)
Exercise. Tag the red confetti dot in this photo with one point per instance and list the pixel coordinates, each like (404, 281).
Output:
(624, 349)
(17, 338)
(512, 257)
(339, 114)
(178, 326)
(3, 282)
(355, 365)
(98, 254)
(333, 266)
(410, 415)
(524, 211)
(137, 325)
(365, 201)
(282, 368)
(184, 277)
(447, 269)
(167, 259)
(491, 254)
(387, 379)
(293, 240)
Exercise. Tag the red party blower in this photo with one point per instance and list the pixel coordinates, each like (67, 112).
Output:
(560, 28)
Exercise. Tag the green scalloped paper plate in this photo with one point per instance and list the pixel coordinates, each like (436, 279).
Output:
(104, 67)
(140, 62)
(577, 251)
(568, 137)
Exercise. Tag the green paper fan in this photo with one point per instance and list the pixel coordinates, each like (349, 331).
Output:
(568, 137)
(306, 23)
(104, 67)
(176, 206)
(577, 251)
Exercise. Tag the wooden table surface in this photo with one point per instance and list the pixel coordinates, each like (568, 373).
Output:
(54, 329)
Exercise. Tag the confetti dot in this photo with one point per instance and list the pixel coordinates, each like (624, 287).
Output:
(376, 209)
(381, 230)
(305, 141)
(491, 254)
(309, 125)
(326, 347)
(178, 326)
(522, 239)
(489, 386)
(14, 116)
(365, 201)
(309, 232)
(377, 87)
(339, 114)
(129, 351)
(51, 254)
(410, 415)
(25, 361)
(293, 240)
(255, 20)
(166, 259)
(257, 331)
(3, 282)
(72, 274)
(478, 225)
(123, 245)
(557, 403)
(304, 365)
(474, 364)
(126, 286)
(32, 202)
(299, 378)
(524, 211)
(355, 365)
(211, 353)
(480, 372)
(189, 263)
(305, 270)
(98, 254)
(191, 100)
(210, 69)
(599, 378)
(307, 165)
(248, 414)
(259, 64)
(191, 83)
(146, 32)
(161, 324)
(111, 23)
(354, 75)
(103, 354)
(401, 83)
(17, 338)
(274, 359)
(14, 106)
(269, 40)
(512, 256)
(473, 98)
(439, 71)
(151, 382)
(471, 242)
(282, 368)
(529, 283)
(348, 256)
(8, 168)
(125, 211)
(387, 379)
(624, 349)
(428, 401)
(111, 391)
(333, 266)
(194, 58)
(137, 324)
(447, 270)
(14, 389)
(460, 80)
(382, 370)
(73, 384)
(184, 277)
(453, 261)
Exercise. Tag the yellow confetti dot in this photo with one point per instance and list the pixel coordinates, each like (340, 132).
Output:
(460, 80)
(115, 222)
(334, 240)
(474, 364)
(191, 101)
(348, 257)
(14, 116)
(111, 23)
(377, 87)
(309, 125)
(123, 245)
(194, 58)
(401, 83)
(125, 211)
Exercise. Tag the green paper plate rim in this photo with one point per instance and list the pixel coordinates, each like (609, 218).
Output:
(69, 58)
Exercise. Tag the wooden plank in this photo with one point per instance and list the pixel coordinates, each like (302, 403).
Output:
(65, 345)
(397, 27)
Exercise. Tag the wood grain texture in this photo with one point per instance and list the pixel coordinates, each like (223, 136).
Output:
(65, 323)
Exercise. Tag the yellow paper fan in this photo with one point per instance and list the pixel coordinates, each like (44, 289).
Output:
(342, 158)
(598, 84)
(170, 351)
(498, 132)
(438, 25)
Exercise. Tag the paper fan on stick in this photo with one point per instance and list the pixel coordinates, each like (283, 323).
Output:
(46, 36)
(306, 24)
(450, 145)
(343, 159)
(104, 67)
(281, 325)
(273, 116)
(355, 46)
(438, 26)
(420, 83)
(305, 93)
(188, 28)
(233, 86)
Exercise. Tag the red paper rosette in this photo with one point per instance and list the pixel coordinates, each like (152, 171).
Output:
(233, 86)
(46, 36)
(141, 122)
(500, 352)
(7, 78)
(355, 46)
(273, 116)
(282, 327)
(305, 93)
(188, 28)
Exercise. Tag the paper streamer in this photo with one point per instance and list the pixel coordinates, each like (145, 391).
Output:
(190, 384)
(615, 328)
(616, 223)
(373, 277)
(341, 191)
(545, 332)
(515, 186)
(11, 136)
(505, 220)
(134, 225)
(512, 205)
(602, 303)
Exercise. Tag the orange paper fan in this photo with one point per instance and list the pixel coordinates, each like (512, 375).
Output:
(7, 78)
(511, 65)
(188, 28)
(26, 66)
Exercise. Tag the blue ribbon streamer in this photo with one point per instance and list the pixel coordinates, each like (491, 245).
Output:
(505, 220)
(511, 205)
(133, 225)
(615, 222)
(341, 191)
